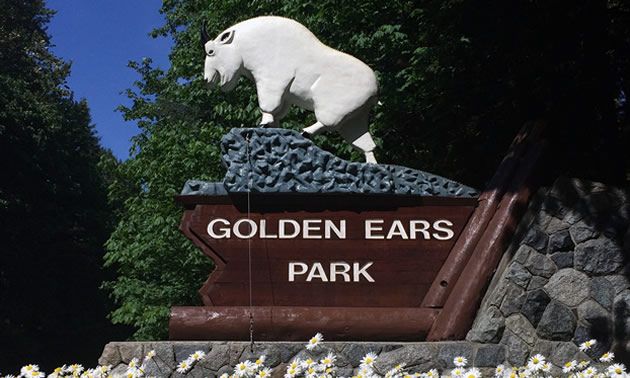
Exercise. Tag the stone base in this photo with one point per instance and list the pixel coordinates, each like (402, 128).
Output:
(223, 356)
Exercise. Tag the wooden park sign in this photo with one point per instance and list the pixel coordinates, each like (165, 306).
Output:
(322, 251)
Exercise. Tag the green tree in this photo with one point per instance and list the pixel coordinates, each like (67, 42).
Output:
(457, 80)
(53, 202)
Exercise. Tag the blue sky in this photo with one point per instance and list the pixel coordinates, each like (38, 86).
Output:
(100, 37)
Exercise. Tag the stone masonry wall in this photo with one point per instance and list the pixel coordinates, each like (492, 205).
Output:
(223, 356)
(562, 281)
(565, 278)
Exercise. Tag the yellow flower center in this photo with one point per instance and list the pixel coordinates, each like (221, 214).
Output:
(311, 370)
(292, 371)
(568, 364)
(326, 361)
(535, 360)
(183, 365)
(328, 370)
(258, 362)
(309, 361)
(368, 360)
(263, 373)
(618, 371)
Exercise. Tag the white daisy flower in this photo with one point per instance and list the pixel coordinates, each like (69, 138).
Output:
(368, 359)
(589, 372)
(260, 361)
(133, 363)
(433, 373)
(55, 372)
(329, 360)
(243, 368)
(460, 361)
(457, 372)
(366, 371)
(569, 366)
(28, 369)
(616, 370)
(198, 355)
(184, 366)
(607, 357)
(499, 371)
(510, 374)
(264, 373)
(315, 341)
(536, 362)
(150, 355)
(546, 367)
(472, 373)
(35, 374)
(587, 345)
(583, 364)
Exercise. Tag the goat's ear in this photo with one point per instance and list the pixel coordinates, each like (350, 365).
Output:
(226, 37)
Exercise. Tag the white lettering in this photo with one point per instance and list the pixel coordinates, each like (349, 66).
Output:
(253, 228)
(263, 230)
(293, 272)
(225, 231)
(397, 229)
(413, 225)
(283, 231)
(307, 228)
(371, 227)
(330, 226)
(363, 271)
(317, 271)
(334, 271)
(448, 231)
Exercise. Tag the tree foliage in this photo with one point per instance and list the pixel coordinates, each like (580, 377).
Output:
(54, 214)
(457, 80)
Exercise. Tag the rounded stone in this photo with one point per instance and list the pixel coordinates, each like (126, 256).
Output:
(560, 241)
(599, 256)
(536, 239)
(448, 353)
(488, 326)
(603, 292)
(563, 259)
(592, 313)
(540, 265)
(581, 232)
(518, 274)
(522, 328)
(489, 355)
(557, 323)
(568, 286)
(516, 350)
(534, 306)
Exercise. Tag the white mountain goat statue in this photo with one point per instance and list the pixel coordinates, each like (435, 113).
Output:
(291, 66)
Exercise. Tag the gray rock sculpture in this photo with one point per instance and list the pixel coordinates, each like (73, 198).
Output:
(282, 161)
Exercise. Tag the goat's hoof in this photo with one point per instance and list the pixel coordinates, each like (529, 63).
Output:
(263, 125)
(306, 134)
